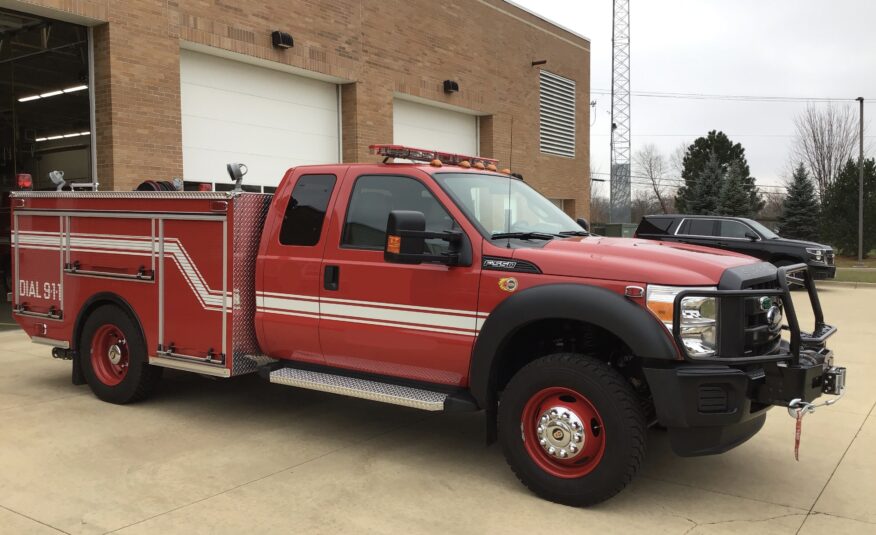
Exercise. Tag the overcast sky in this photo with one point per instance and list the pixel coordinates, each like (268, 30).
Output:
(787, 48)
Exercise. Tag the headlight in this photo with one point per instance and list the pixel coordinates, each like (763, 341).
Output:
(817, 254)
(699, 317)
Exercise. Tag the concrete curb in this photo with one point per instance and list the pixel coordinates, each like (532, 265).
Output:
(848, 284)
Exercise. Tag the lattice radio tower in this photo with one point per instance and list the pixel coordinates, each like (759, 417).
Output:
(620, 113)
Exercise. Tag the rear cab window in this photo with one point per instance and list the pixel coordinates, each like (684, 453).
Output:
(305, 213)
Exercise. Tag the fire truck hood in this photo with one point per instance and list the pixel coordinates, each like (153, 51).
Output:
(634, 260)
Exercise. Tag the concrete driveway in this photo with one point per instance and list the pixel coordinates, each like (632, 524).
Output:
(236, 456)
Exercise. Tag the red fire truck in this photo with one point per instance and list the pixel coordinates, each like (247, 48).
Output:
(441, 284)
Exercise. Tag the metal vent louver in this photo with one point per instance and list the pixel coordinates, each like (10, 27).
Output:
(556, 115)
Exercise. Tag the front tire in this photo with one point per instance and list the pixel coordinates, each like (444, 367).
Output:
(572, 429)
(113, 357)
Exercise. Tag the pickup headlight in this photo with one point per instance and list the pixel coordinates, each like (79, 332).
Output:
(816, 254)
(699, 317)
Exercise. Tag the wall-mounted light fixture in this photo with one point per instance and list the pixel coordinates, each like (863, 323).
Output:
(539, 62)
(281, 39)
(450, 86)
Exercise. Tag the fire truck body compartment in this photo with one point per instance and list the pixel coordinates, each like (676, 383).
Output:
(184, 262)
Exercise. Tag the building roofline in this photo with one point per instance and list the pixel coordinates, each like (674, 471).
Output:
(547, 20)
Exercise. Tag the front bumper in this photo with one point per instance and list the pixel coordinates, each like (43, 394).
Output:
(710, 409)
(822, 271)
(713, 404)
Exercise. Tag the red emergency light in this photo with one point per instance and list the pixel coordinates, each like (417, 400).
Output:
(425, 155)
(24, 180)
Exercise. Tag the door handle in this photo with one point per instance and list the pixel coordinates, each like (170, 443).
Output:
(330, 278)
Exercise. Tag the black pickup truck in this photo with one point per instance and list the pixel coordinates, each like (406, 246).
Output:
(742, 236)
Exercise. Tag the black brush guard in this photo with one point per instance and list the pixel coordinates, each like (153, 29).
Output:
(802, 369)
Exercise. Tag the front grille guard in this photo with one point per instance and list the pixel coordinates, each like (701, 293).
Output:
(799, 340)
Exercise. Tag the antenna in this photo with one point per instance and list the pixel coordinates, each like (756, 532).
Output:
(620, 113)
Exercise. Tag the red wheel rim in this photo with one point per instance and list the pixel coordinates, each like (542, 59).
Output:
(109, 355)
(563, 432)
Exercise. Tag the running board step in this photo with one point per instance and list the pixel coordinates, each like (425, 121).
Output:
(360, 388)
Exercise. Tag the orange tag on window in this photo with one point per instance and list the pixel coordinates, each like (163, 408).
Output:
(393, 244)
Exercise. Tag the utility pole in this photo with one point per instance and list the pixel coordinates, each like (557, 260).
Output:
(861, 184)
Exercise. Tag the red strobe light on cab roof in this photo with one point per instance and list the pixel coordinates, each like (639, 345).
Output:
(424, 155)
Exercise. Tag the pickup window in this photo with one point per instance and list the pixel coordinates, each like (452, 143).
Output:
(734, 229)
(305, 213)
(697, 227)
(375, 196)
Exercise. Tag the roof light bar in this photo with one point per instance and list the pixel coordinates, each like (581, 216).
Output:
(425, 155)
(50, 94)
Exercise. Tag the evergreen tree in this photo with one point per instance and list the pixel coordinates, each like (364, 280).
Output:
(839, 209)
(697, 157)
(800, 210)
(706, 189)
(733, 199)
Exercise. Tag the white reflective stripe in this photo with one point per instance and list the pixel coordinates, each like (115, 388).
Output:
(401, 316)
(133, 246)
(296, 305)
(405, 307)
(398, 325)
(288, 313)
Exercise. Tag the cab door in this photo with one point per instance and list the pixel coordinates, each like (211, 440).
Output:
(412, 321)
(287, 296)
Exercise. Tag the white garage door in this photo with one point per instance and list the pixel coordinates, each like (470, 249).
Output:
(267, 119)
(429, 127)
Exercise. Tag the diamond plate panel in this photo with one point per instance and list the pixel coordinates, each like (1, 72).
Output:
(248, 220)
(360, 388)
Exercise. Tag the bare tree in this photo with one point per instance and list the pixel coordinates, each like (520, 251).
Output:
(826, 137)
(644, 203)
(599, 209)
(650, 164)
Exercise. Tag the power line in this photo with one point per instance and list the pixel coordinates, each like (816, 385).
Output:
(740, 98)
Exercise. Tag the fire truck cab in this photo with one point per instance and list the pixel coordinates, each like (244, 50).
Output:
(441, 284)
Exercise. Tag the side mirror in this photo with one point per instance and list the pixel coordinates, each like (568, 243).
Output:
(236, 172)
(583, 223)
(406, 237)
(751, 235)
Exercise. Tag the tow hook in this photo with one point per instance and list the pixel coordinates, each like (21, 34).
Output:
(834, 383)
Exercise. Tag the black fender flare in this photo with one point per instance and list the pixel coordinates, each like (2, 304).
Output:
(637, 327)
(90, 304)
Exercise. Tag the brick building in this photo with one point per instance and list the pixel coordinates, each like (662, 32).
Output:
(178, 88)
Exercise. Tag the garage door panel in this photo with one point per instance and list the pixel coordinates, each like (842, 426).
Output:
(236, 77)
(223, 136)
(269, 120)
(430, 127)
(202, 101)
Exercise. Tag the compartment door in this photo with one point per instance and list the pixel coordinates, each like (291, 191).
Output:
(194, 304)
(38, 264)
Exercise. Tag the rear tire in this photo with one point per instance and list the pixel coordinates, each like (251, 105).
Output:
(112, 354)
(597, 433)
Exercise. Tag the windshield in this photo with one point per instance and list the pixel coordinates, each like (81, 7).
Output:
(765, 232)
(502, 205)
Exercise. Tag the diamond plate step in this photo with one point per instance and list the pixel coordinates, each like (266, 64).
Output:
(360, 388)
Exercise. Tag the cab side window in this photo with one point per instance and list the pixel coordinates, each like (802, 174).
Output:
(305, 213)
(375, 196)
